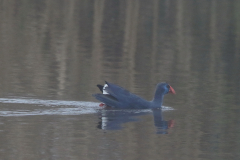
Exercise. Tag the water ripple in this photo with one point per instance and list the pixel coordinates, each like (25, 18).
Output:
(51, 107)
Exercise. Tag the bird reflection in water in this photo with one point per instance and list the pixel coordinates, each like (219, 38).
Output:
(161, 125)
(112, 119)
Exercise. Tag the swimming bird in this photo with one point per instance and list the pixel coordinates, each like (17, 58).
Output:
(118, 97)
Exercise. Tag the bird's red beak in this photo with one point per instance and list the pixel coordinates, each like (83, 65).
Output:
(171, 90)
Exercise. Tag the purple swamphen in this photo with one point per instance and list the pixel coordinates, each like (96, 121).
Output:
(117, 97)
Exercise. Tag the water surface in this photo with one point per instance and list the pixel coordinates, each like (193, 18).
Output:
(52, 55)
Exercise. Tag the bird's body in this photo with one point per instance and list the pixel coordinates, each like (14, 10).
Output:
(118, 97)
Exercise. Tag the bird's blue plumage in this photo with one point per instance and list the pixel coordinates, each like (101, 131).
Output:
(119, 97)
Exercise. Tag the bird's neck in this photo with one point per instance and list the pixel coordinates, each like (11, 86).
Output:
(157, 100)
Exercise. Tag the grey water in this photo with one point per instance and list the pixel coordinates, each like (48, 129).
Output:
(54, 53)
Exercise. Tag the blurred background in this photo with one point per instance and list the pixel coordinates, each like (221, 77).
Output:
(60, 50)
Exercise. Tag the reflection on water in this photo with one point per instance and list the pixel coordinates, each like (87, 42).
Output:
(112, 119)
(161, 125)
(61, 49)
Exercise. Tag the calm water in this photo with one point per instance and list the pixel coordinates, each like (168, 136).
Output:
(53, 53)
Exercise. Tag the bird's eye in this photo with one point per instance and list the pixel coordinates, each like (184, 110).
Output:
(168, 86)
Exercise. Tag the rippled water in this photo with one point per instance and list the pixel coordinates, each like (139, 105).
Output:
(52, 55)
(54, 107)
